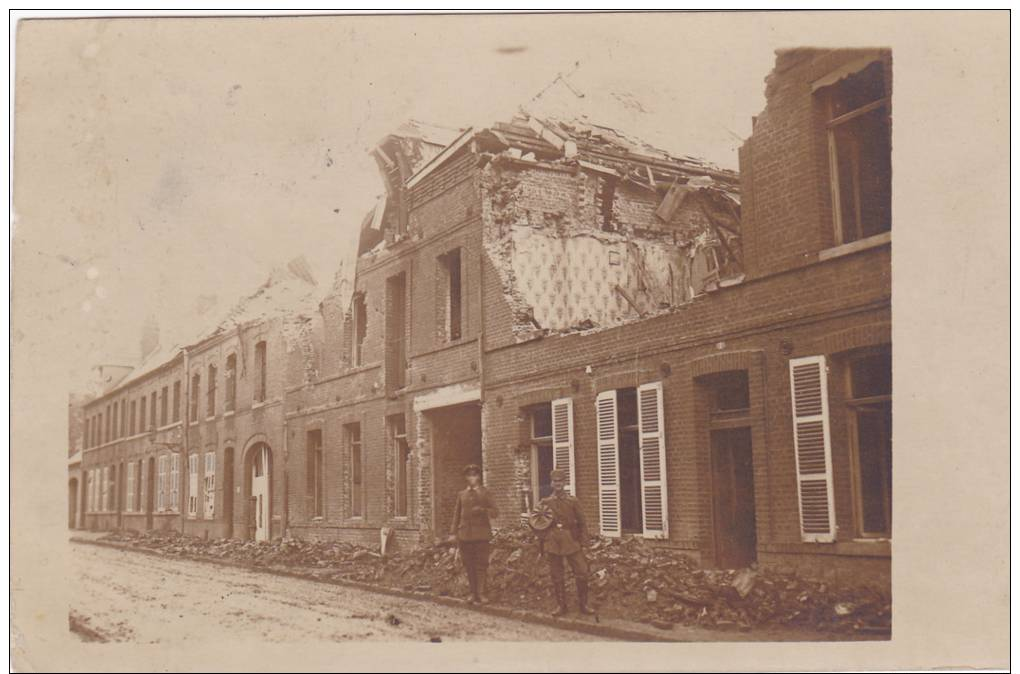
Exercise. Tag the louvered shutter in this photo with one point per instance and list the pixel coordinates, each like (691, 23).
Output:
(609, 464)
(563, 439)
(812, 448)
(653, 460)
(130, 500)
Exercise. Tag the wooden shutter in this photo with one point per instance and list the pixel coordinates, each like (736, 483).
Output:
(175, 482)
(129, 505)
(563, 439)
(812, 448)
(651, 436)
(609, 463)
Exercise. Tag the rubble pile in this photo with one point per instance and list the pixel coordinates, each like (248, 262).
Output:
(630, 579)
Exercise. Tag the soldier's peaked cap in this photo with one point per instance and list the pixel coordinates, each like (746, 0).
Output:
(472, 468)
(557, 474)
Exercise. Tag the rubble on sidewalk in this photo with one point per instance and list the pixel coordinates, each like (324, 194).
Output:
(630, 579)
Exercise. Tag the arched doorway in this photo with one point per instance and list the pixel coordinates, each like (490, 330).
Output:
(228, 491)
(258, 471)
(72, 503)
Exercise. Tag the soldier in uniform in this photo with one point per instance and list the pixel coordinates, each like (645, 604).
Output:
(472, 529)
(562, 533)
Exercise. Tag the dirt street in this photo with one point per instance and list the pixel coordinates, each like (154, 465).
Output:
(126, 596)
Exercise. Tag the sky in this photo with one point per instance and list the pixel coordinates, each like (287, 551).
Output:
(165, 163)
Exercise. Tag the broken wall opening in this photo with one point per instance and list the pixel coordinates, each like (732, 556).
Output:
(456, 439)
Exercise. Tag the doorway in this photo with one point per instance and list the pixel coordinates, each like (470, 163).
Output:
(150, 492)
(733, 498)
(456, 439)
(259, 495)
(228, 491)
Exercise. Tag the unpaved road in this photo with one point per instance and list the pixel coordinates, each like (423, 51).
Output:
(126, 596)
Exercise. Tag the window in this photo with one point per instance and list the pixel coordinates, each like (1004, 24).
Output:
(209, 481)
(396, 326)
(353, 432)
(192, 485)
(401, 465)
(142, 402)
(316, 488)
(230, 383)
(604, 198)
(360, 317)
(164, 406)
(152, 410)
(451, 274)
(129, 506)
(177, 401)
(260, 372)
(108, 436)
(175, 481)
(116, 419)
(139, 480)
(632, 461)
(210, 398)
(161, 489)
(132, 425)
(858, 111)
(85, 435)
(540, 418)
(196, 381)
(869, 377)
(122, 409)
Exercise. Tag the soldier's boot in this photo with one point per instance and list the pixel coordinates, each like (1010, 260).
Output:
(561, 600)
(582, 598)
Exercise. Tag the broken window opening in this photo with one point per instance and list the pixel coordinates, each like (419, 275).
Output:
(360, 317)
(353, 433)
(860, 165)
(211, 393)
(164, 406)
(451, 266)
(177, 400)
(230, 376)
(132, 424)
(541, 453)
(193, 408)
(629, 451)
(142, 402)
(316, 475)
(869, 404)
(396, 327)
(260, 372)
(152, 410)
(604, 198)
(402, 468)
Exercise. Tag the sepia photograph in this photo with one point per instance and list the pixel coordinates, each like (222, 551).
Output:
(463, 329)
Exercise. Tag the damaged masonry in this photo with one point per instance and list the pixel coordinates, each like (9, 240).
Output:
(706, 354)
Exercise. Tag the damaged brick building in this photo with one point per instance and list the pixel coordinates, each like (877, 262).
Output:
(707, 354)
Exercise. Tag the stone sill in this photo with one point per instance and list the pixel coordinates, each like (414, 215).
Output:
(875, 241)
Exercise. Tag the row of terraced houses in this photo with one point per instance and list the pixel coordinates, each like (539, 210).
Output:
(707, 353)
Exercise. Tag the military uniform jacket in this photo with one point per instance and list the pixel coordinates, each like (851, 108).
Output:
(568, 530)
(472, 515)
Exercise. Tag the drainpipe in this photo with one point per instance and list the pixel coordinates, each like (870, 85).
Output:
(285, 519)
(185, 433)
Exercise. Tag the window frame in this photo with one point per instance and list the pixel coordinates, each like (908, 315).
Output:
(832, 124)
(854, 407)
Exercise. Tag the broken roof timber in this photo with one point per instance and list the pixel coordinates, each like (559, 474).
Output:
(438, 160)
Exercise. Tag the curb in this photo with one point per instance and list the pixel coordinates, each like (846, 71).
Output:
(595, 629)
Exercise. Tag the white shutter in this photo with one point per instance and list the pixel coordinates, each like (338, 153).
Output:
(175, 481)
(161, 485)
(812, 448)
(609, 463)
(651, 436)
(563, 439)
(210, 484)
(193, 485)
(90, 494)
